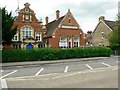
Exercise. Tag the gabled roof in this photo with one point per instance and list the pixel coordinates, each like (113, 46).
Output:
(108, 23)
(111, 24)
(51, 27)
(89, 37)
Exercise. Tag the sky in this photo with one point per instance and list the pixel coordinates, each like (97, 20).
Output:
(86, 12)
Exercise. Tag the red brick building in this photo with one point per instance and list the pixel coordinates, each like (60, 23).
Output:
(30, 30)
(64, 32)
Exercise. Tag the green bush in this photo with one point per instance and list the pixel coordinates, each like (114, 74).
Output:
(53, 54)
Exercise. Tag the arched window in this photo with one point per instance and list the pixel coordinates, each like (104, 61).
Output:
(26, 31)
(15, 38)
(38, 36)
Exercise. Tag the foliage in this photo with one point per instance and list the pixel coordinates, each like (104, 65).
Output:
(114, 37)
(8, 31)
(53, 54)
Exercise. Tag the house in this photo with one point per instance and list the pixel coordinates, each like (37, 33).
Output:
(88, 38)
(30, 30)
(64, 32)
(102, 31)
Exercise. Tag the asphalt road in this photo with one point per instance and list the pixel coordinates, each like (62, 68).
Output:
(92, 73)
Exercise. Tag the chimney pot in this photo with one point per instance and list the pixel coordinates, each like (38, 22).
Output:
(57, 14)
(101, 18)
(46, 20)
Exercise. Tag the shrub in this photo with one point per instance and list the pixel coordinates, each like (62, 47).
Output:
(53, 54)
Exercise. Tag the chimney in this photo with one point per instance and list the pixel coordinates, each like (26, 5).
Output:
(89, 32)
(57, 14)
(46, 20)
(102, 18)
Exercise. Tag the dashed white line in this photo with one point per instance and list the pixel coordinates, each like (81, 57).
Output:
(1, 70)
(8, 74)
(89, 66)
(4, 84)
(106, 64)
(117, 61)
(115, 69)
(66, 69)
(39, 71)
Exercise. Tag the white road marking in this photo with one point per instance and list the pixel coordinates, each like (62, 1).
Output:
(117, 61)
(87, 71)
(31, 76)
(106, 64)
(66, 69)
(4, 84)
(1, 70)
(8, 74)
(89, 66)
(115, 69)
(39, 71)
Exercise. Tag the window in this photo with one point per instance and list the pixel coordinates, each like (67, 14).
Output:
(26, 31)
(27, 17)
(69, 20)
(70, 42)
(63, 42)
(15, 38)
(76, 42)
(38, 36)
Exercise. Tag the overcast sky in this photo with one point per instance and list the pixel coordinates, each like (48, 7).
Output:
(86, 12)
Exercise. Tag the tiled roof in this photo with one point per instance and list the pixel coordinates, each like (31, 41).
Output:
(88, 38)
(52, 26)
(111, 24)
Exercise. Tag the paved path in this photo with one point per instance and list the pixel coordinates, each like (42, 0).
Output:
(41, 69)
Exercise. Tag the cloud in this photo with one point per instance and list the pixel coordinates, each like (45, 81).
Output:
(87, 9)
(86, 12)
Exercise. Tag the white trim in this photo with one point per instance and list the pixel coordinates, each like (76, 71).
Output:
(72, 27)
(21, 29)
(65, 17)
(106, 25)
(38, 34)
(16, 35)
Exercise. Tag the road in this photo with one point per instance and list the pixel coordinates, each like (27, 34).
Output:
(83, 74)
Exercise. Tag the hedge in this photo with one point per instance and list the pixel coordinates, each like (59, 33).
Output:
(53, 54)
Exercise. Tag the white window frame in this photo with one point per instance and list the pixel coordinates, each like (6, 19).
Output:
(26, 31)
(15, 38)
(39, 35)
(76, 40)
(63, 42)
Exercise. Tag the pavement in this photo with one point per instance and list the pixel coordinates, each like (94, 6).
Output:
(51, 61)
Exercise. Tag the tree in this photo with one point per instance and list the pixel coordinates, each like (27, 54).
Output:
(8, 31)
(114, 38)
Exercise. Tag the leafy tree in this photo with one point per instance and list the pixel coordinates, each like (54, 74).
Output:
(114, 38)
(8, 31)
